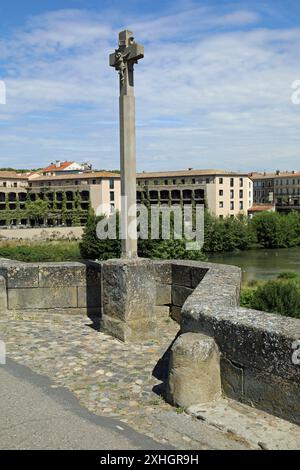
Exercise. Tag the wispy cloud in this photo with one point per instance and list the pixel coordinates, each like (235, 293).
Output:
(213, 90)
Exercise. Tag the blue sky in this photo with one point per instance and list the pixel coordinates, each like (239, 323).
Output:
(213, 91)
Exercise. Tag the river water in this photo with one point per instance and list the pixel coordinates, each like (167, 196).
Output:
(261, 264)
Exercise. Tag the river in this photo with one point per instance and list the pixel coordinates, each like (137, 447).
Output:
(261, 264)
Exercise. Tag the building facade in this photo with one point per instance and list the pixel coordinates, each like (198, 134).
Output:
(224, 193)
(68, 197)
(280, 188)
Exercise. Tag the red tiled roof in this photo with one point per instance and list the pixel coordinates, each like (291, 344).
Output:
(54, 167)
(261, 208)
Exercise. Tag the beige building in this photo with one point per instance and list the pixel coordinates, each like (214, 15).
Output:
(224, 193)
(69, 196)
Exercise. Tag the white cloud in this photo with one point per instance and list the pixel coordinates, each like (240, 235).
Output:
(209, 92)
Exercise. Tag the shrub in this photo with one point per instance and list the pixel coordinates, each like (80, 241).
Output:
(288, 275)
(247, 296)
(40, 251)
(91, 247)
(279, 296)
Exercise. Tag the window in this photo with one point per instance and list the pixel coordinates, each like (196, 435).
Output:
(220, 180)
(241, 205)
(241, 182)
(166, 182)
(174, 181)
(94, 181)
(221, 217)
(112, 208)
(111, 184)
(231, 193)
(232, 182)
(221, 204)
(15, 185)
(221, 192)
(231, 205)
(183, 181)
(112, 196)
(241, 193)
(156, 182)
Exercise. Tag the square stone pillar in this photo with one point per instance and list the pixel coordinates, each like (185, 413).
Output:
(129, 298)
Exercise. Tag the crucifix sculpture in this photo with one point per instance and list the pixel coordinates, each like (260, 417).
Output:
(123, 60)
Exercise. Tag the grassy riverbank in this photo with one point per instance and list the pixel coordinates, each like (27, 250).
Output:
(40, 251)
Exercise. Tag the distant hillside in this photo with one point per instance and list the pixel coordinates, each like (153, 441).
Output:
(22, 170)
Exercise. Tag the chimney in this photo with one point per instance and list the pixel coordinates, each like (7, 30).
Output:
(57, 163)
(277, 172)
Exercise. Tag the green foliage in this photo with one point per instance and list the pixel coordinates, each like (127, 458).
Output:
(274, 230)
(227, 234)
(91, 247)
(247, 296)
(281, 295)
(41, 251)
(37, 210)
(288, 275)
(168, 249)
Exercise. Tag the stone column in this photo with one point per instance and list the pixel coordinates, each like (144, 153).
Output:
(129, 299)
(123, 60)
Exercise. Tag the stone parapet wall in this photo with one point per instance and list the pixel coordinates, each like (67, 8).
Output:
(257, 365)
(73, 288)
(256, 348)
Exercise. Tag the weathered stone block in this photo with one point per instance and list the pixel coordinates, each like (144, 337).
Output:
(62, 274)
(181, 274)
(128, 331)
(22, 275)
(93, 273)
(180, 294)
(272, 394)
(163, 294)
(42, 298)
(3, 295)
(129, 297)
(232, 379)
(32, 312)
(89, 296)
(162, 312)
(197, 274)
(194, 371)
(129, 290)
(175, 313)
(162, 272)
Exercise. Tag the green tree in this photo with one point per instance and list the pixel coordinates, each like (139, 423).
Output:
(91, 247)
(37, 210)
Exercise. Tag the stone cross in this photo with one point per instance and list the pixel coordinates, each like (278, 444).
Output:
(123, 60)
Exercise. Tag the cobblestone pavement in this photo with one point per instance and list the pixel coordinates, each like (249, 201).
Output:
(118, 380)
(108, 377)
